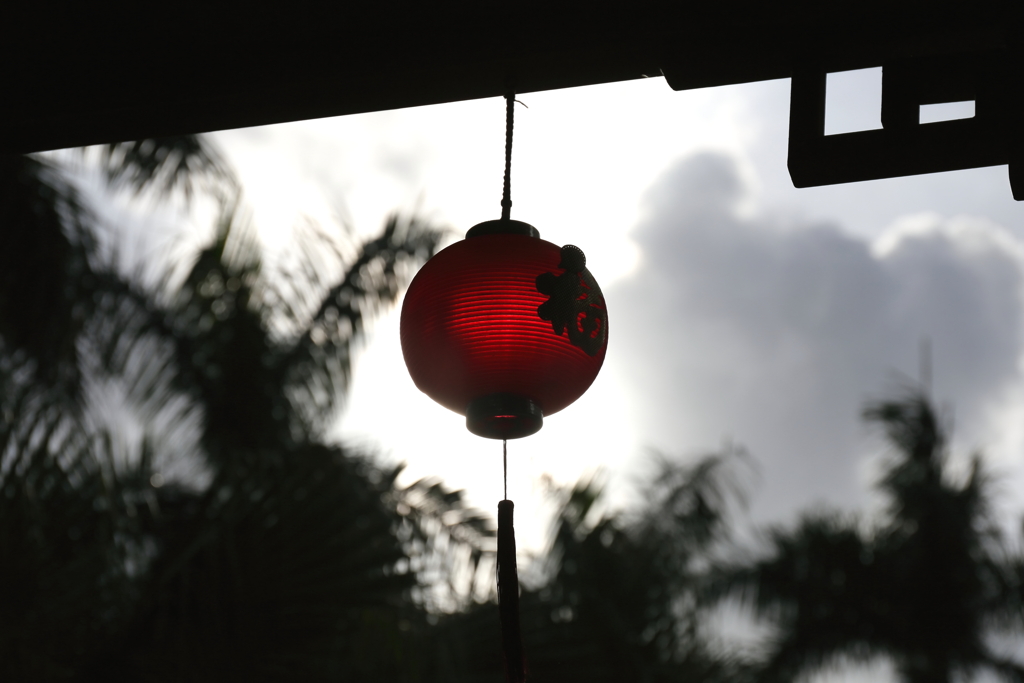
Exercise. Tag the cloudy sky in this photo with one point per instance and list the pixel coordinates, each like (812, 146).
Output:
(741, 310)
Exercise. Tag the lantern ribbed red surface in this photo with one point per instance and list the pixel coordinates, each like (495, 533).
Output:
(470, 327)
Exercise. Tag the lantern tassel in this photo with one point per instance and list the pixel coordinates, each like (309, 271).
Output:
(508, 596)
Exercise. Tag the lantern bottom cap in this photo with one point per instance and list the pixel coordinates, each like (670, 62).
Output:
(504, 416)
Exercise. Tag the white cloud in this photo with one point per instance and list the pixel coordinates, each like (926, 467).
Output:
(775, 334)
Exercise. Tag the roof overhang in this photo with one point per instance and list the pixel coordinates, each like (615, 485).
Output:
(81, 73)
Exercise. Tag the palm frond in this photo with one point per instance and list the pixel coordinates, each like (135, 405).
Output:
(694, 504)
(224, 358)
(67, 566)
(448, 543)
(278, 574)
(919, 441)
(185, 163)
(320, 363)
(820, 585)
(46, 274)
(621, 600)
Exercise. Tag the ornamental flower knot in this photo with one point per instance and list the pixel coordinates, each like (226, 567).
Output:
(575, 304)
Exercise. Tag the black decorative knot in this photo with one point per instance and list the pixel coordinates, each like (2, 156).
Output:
(575, 304)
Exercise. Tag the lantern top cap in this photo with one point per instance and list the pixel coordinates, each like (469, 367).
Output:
(504, 226)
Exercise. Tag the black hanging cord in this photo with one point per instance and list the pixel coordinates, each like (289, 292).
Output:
(506, 196)
(508, 573)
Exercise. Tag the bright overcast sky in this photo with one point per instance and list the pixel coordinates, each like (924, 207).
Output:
(741, 309)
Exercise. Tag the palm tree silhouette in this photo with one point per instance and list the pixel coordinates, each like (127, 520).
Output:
(277, 555)
(618, 595)
(928, 586)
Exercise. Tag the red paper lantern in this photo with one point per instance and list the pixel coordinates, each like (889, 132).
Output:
(504, 328)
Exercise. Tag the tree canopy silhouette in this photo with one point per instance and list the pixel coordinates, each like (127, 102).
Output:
(928, 585)
(618, 596)
(171, 507)
(277, 554)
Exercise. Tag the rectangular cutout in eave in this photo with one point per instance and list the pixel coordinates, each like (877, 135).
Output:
(946, 111)
(853, 101)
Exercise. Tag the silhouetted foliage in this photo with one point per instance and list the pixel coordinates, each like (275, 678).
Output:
(619, 598)
(46, 279)
(927, 586)
(278, 555)
(185, 163)
(171, 507)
